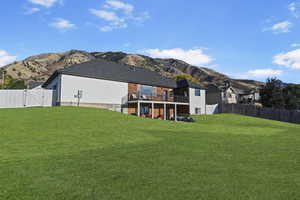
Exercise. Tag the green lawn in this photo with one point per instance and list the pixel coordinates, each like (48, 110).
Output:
(82, 153)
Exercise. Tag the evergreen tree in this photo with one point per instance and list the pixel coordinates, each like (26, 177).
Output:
(292, 97)
(272, 94)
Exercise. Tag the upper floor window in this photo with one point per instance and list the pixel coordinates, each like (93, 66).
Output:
(147, 90)
(197, 92)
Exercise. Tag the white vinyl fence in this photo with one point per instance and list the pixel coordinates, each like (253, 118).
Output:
(26, 98)
(212, 109)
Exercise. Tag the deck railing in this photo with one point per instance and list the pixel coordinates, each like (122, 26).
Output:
(165, 98)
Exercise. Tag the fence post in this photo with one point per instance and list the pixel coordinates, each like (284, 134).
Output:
(43, 97)
(24, 98)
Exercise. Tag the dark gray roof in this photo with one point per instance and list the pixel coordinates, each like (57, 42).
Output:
(102, 69)
(212, 88)
(34, 84)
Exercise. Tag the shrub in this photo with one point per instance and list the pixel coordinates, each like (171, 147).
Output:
(187, 77)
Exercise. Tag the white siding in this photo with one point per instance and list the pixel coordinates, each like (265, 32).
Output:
(95, 91)
(197, 101)
(55, 86)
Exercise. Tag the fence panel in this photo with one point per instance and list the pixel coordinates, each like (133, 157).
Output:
(26, 98)
(212, 109)
(262, 112)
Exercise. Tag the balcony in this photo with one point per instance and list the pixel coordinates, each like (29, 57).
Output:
(161, 98)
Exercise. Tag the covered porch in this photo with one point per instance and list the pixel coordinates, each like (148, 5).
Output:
(158, 110)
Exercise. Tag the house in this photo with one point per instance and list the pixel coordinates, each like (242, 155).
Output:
(248, 96)
(234, 96)
(34, 85)
(230, 95)
(123, 88)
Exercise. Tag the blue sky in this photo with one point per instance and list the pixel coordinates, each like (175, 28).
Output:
(244, 39)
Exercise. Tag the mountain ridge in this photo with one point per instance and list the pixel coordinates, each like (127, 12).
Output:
(40, 67)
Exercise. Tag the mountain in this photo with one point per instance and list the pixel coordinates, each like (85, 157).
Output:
(39, 68)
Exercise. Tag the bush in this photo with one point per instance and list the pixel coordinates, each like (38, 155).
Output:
(187, 77)
(17, 85)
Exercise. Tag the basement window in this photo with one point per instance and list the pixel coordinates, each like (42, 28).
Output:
(198, 111)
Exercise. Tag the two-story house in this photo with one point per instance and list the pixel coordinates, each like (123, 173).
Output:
(133, 90)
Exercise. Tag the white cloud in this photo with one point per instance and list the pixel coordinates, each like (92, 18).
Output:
(119, 5)
(258, 74)
(294, 8)
(115, 22)
(191, 56)
(5, 58)
(289, 59)
(30, 11)
(106, 28)
(142, 17)
(295, 45)
(106, 15)
(263, 73)
(282, 27)
(118, 14)
(45, 3)
(62, 24)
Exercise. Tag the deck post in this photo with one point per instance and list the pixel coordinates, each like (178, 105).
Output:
(175, 112)
(138, 109)
(165, 111)
(152, 110)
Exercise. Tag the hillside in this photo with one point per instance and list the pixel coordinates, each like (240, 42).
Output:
(40, 67)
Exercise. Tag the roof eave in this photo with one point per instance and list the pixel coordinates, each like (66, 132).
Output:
(51, 78)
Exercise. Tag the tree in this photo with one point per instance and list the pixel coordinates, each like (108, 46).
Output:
(272, 94)
(187, 77)
(17, 84)
(2, 77)
(292, 96)
(9, 83)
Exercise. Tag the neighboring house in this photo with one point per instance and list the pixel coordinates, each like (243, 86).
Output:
(248, 96)
(127, 89)
(230, 96)
(34, 85)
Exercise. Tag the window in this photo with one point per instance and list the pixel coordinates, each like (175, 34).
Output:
(198, 111)
(154, 91)
(147, 90)
(171, 93)
(197, 92)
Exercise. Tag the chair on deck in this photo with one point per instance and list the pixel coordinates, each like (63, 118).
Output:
(133, 97)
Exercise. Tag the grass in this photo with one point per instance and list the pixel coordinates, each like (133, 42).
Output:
(80, 153)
